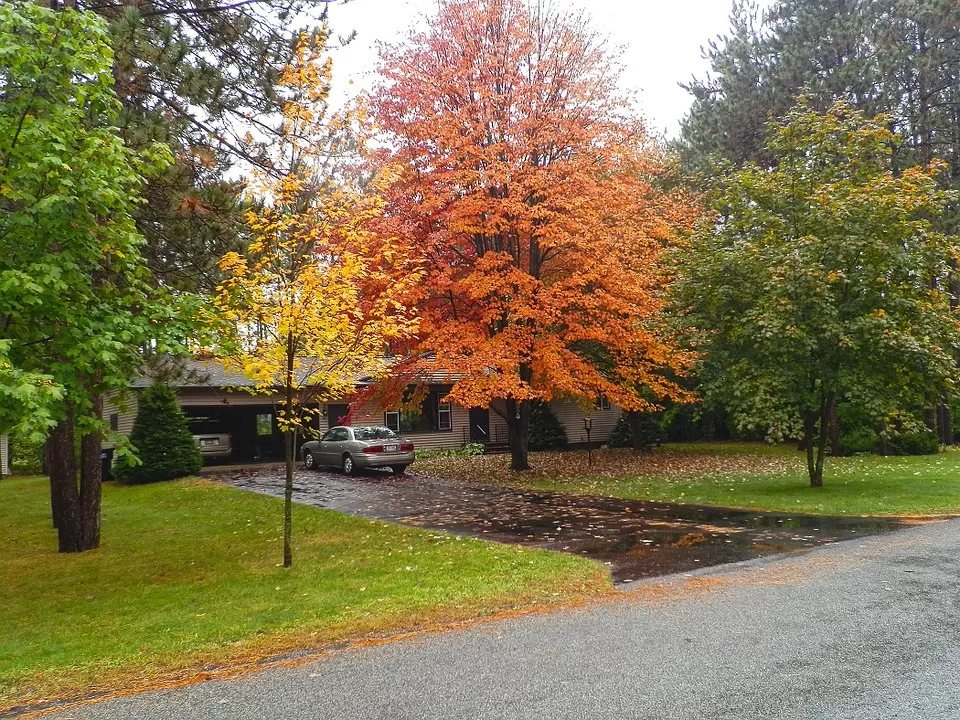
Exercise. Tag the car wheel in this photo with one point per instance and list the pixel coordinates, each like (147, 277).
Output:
(308, 460)
(348, 466)
(398, 469)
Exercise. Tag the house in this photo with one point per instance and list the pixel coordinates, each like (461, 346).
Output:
(4, 454)
(213, 397)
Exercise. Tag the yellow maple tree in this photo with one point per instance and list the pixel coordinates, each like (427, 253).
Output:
(309, 304)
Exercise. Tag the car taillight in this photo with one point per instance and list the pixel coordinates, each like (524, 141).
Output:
(406, 447)
(373, 449)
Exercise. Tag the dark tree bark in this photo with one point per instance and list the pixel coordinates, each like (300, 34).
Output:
(288, 456)
(63, 486)
(518, 432)
(834, 431)
(91, 480)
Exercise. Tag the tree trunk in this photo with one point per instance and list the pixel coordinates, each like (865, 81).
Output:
(288, 500)
(826, 409)
(91, 481)
(518, 432)
(63, 484)
(288, 455)
(809, 428)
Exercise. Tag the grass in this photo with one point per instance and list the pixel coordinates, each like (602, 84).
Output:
(748, 475)
(187, 575)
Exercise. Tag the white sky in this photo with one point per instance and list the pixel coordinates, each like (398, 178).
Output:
(661, 40)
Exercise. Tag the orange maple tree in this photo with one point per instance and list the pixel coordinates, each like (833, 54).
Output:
(527, 184)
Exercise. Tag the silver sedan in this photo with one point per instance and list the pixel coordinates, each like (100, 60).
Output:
(357, 448)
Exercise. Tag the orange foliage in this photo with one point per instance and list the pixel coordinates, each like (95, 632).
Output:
(526, 184)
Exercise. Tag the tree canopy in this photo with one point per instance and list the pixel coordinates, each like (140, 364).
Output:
(819, 279)
(527, 184)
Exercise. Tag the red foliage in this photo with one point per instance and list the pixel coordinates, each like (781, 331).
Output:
(526, 186)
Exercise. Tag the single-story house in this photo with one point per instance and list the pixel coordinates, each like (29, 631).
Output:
(4, 455)
(213, 397)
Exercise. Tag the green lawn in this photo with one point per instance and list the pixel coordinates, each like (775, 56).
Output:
(750, 475)
(188, 575)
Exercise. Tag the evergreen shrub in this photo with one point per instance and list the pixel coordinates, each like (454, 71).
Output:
(651, 433)
(922, 442)
(546, 432)
(162, 440)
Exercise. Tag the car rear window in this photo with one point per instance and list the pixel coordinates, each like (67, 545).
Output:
(373, 433)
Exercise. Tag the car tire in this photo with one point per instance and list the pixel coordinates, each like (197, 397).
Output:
(348, 466)
(309, 462)
(398, 469)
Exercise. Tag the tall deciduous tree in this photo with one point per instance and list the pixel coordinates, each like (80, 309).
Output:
(526, 181)
(74, 308)
(310, 303)
(813, 282)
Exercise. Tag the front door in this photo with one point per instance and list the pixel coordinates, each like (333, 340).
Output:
(479, 425)
(337, 415)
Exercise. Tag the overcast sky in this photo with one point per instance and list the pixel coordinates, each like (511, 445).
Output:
(661, 39)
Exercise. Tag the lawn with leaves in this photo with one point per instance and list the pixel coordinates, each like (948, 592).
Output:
(188, 575)
(748, 475)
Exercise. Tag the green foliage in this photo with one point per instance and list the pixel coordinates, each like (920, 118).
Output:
(26, 455)
(648, 427)
(898, 58)
(921, 442)
(467, 450)
(817, 280)
(165, 448)
(546, 432)
(858, 441)
(75, 308)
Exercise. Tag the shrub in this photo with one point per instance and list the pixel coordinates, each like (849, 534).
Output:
(26, 456)
(922, 442)
(162, 440)
(546, 432)
(468, 450)
(649, 431)
(860, 440)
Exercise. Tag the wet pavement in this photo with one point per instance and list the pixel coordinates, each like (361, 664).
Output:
(636, 539)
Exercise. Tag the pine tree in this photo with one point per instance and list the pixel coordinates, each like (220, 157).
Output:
(546, 432)
(162, 440)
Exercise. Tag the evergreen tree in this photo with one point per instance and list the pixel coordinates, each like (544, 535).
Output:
(162, 440)
(546, 432)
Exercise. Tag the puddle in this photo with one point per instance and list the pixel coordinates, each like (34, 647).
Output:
(637, 539)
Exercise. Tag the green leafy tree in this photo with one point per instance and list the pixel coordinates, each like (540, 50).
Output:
(74, 307)
(165, 447)
(814, 281)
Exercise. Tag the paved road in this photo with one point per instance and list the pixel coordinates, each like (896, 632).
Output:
(865, 629)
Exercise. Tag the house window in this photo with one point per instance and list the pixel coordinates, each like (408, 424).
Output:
(431, 416)
(115, 422)
(444, 415)
(392, 420)
(602, 402)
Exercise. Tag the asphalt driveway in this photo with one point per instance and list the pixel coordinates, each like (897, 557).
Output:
(635, 539)
(855, 630)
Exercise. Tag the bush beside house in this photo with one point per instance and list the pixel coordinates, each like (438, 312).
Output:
(162, 439)
(546, 432)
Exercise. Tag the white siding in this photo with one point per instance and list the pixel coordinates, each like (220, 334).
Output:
(124, 406)
(570, 414)
(4, 455)
(372, 414)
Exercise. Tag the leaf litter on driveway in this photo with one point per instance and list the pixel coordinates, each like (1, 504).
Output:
(636, 539)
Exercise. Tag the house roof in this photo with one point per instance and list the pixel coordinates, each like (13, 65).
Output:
(182, 372)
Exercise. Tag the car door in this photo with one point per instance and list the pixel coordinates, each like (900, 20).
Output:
(323, 452)
(333, 448)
